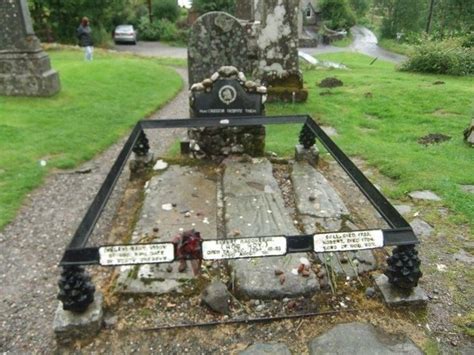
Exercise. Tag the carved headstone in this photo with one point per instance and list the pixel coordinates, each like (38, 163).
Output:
(278, 46)
(227, 93)
(25, 69)
(216, 39)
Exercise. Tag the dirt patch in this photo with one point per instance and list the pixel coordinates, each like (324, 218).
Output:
(330, 83)
(439, 82)
(433, 138)
(441, 113)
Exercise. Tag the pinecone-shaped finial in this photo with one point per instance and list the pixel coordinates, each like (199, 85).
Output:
(307, 137)
(404, 267)
(142, 145)
(76, 290)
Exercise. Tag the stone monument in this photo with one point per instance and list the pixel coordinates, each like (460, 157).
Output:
(25, 70)
(227, 93)
(216, 39)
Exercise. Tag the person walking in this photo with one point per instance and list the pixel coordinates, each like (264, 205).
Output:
(84, 36)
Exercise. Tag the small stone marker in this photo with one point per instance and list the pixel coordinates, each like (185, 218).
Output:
(25, 69)
(70, 326)
(424, 195)
(469, 134)
(217, 297)
(421, 228)
(361, 339)
(216, 39)
(395, 297)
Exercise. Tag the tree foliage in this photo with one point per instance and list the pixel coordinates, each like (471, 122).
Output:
(166, 9)
(203, 6)
(337, 14)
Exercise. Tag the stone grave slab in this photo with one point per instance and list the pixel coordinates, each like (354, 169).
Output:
(25, 70)
(361, 338)
(254, 207)
(321, 209)
(395, 297)
(181, 198)
(216, 39)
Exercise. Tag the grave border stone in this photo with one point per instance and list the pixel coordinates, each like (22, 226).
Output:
(400, 234)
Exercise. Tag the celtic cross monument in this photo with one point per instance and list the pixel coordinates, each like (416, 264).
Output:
(25, 70)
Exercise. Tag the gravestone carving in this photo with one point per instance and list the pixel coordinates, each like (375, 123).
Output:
(25, 69)
(227, 93)
(216, 39)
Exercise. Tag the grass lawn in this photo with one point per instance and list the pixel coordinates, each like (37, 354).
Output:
(98, 103)
(346, 41)
(380, 114)
(395, 46)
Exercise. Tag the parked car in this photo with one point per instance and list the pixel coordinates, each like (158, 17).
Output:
(125, 33)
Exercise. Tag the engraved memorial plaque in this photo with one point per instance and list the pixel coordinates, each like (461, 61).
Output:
(357, 240)
(243, 248)
(136, 254)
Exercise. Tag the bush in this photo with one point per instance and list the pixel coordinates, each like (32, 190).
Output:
(168, 30)
(446, 57)
(148, 31)
(203, 6)
(337, 14)
(160, 30)
(166, 9)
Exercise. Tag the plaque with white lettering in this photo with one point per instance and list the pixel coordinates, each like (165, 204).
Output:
(243, 248)
(357, 240)
(136, 254)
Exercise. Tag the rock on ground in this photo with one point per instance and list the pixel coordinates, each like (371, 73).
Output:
(217, 297)
(421, 228)
(424, 195)
(395, 297)
(360, 338)
(191, 195)
(254, 207)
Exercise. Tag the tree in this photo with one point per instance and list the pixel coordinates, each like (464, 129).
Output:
(360, 7)
(337, 14)
(166, 9)
(203, 6)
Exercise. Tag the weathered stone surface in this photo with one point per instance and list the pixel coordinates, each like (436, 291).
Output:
(217, 297)
(310, 155)
(330, 131)
(69, 326)
(264, 349)
(216, 39)
(424, 195)
(464, 257)
(395, 297)
(403, 209)
(469, 134)
(351, 263)
(254, 207)
(361, 338)
(468, 188)
(316, 199)
(193, 206)
(421, 228)
(25, 69)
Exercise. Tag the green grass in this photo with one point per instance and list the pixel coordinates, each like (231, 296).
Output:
(346, 41)
(380, 113)
(98, 103)
(395, 46)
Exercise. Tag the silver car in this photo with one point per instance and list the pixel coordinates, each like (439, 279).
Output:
(125, 33)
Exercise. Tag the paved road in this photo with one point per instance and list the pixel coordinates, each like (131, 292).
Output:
(364, 42)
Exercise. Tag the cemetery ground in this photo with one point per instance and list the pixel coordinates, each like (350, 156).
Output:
(378, 117)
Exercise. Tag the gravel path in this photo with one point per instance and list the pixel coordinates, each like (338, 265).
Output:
(32, 245)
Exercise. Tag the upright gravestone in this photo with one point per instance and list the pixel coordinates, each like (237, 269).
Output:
(216, 39)
(25, 69)
(278, 47)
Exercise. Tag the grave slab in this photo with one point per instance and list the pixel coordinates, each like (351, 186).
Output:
(321, 209)
(395, 297)
(181, 197)
(316, 199)
(69, 326)
(361, 338)
(421, 228)
(254, 207)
